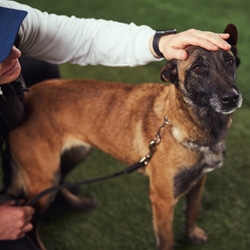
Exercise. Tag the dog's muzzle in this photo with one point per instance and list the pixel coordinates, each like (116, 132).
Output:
(227, 102)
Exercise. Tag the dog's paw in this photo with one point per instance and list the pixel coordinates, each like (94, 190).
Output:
(84, 203)
(71, 198)
(196, 235)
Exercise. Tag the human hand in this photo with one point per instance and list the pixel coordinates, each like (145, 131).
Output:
(14, 221)
(173, 46)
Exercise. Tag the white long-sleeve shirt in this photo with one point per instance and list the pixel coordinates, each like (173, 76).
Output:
(60, 39)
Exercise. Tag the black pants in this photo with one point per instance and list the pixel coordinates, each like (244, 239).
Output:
(33, 71)
(20, 244)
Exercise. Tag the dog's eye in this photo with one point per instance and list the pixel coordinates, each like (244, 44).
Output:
(230, 62)
(198, 68)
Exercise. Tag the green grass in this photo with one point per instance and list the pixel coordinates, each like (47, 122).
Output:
(122, 220)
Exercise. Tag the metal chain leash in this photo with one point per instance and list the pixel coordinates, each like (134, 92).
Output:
(155, 142)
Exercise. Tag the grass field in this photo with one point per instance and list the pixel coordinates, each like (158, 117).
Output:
(122, 220)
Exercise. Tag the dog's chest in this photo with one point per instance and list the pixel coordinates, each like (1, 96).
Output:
(209, 158)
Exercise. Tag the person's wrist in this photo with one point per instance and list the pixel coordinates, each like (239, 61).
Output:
(156, 39)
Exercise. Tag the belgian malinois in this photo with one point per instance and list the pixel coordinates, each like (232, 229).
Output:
(121, 119)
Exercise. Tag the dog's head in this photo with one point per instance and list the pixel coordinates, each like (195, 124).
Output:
(208, 78)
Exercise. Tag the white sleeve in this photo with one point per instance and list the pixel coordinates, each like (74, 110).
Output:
(60, 39)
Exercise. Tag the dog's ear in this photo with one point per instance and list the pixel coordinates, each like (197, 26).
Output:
(233, 32)
(169, 72)
(232, 40)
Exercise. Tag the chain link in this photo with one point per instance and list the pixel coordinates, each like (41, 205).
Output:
(155, 142)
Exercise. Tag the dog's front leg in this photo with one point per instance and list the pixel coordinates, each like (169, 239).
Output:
(163, 203)
(194, 234)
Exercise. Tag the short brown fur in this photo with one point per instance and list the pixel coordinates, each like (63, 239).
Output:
(121, 119)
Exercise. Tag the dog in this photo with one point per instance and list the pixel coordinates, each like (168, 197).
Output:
(69, 117)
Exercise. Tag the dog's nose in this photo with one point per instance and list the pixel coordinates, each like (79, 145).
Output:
(230, 98)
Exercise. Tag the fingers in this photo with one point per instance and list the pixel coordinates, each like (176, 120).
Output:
(173, 46)
(27, 227)
(224, 36)
(13, 202)
(207, 40)
(175, 53)
(15, 221)
(21, 232)
(25, 212)
(9, 203)
(24, 225)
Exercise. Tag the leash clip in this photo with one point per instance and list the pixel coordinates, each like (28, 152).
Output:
(152, 147)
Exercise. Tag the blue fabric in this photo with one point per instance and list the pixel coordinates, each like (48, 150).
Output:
(10, 21)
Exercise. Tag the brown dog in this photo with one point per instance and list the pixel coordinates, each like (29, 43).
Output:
(121, 120)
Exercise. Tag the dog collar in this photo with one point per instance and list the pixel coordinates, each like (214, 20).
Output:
(157, 37)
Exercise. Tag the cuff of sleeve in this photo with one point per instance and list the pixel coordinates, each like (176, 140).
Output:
(142, 48)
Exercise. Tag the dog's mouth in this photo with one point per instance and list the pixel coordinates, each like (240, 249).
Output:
(227, 103)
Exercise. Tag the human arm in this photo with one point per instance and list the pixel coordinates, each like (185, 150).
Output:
(14, 221)
(60, 39)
